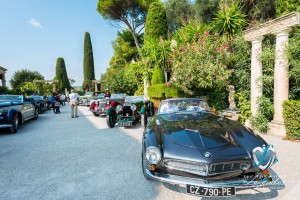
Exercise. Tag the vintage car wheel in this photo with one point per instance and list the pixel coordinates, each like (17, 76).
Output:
(41, 109)
(36, 115)
(96, 115)
(15, 124)
(144, 120)
(110, 121)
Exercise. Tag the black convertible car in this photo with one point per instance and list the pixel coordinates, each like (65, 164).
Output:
(15, 110)
(185, 144)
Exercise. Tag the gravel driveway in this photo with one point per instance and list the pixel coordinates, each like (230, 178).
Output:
(57, 157)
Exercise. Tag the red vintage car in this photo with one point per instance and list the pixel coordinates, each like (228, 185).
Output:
(99, 106)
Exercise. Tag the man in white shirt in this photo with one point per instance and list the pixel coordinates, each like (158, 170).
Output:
(74, 97)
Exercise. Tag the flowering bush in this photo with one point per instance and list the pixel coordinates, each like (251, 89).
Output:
(201, 64)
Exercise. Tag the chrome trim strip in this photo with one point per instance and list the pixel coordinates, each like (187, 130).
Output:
(199, 182)
(5, 125)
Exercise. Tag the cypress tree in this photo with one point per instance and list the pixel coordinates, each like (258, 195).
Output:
(61, 75)
(156, 22)
(88, 64)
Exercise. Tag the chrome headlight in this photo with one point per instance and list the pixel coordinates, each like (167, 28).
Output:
(133, 107)
(107, 102)
(119, 108)
(153, 155)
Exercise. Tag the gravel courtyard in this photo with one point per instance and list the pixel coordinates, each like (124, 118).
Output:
(57, 157)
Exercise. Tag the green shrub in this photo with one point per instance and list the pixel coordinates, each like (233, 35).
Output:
(260, 122)
(158, 76)
(291, 116)
(140, 90)
(265, 107)
(217, 99)
(174, 92)
(244, 107)
(265, 113)
(157, 91)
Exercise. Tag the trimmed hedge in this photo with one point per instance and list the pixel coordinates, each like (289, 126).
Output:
(158, 76)
(157, 90)
(161, 91)
(291, 116)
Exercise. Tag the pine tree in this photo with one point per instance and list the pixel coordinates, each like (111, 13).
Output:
(61, 76)
(156, 23)
(88, 64)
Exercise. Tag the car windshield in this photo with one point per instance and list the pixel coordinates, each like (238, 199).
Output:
(134, 98)
(88, 94)
(121, 95)
(37, 97)
(100, 95)
(11, 98)
(183, 105)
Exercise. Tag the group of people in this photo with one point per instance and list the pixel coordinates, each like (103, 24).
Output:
(73, 98)
(58, 100)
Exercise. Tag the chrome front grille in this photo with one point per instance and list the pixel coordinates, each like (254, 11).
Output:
(190, 167)
(205, 170)
(220, 168)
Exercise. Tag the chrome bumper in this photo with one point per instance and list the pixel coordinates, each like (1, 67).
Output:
(203, 183)
(5, 125)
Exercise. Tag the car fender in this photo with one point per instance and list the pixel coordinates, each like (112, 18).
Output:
(111, 111)
(11, 114)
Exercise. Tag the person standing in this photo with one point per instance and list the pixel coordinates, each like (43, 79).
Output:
(57, 103)
(52, 101)
(74, 97)
(107, 94)
(63, 98)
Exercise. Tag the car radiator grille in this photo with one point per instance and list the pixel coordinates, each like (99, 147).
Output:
(203, 169)
(190, 167)
(219, 168)
(127, 111)
(102, 104)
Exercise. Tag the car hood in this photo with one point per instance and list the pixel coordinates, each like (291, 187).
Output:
(206, 132)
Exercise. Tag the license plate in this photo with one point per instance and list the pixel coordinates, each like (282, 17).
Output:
(210, 192)
(125, 123)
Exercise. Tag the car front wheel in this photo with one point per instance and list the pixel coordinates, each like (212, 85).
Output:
(96, 115)
(15, 124)
(110, 121)
(36, 115)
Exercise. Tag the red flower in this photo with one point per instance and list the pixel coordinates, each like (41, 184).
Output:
(188, 78)
(226, 45)
(206, 33)
(169, 84)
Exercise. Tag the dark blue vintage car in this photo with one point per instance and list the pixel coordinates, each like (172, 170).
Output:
(187, 145)
(15, 110)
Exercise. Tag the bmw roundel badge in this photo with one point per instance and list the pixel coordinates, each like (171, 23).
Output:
(207, 155)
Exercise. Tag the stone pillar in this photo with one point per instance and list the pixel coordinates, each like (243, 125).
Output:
(96, 86)
(256, 73)
(281, 82)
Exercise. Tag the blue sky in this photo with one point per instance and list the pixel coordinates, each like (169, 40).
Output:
(34, 33)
